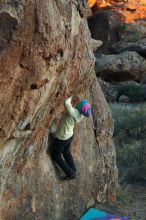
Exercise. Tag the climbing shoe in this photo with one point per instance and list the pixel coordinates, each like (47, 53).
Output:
(70, 177)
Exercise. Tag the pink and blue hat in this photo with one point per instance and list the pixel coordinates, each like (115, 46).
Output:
(84, 108)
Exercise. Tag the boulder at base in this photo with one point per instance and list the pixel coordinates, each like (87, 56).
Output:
(124, 66)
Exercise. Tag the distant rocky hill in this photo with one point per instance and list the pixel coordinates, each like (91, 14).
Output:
(129, 9)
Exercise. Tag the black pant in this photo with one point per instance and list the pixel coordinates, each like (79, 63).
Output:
(62, 156)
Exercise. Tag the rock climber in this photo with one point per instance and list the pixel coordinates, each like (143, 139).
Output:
(61, 153)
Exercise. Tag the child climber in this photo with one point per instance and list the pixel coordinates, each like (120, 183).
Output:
(61, 153)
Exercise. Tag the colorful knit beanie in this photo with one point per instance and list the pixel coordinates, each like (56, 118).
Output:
(84, 108)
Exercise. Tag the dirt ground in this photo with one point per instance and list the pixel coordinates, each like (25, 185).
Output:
(132, 204)
(137, 206)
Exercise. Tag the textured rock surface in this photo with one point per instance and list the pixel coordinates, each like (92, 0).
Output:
(45, 58)
(104, 26)
(139, 47)
(133, 32)
(109, 90)
(124, 66)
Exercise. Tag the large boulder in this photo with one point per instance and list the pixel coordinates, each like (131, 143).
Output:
(109, 90)
(132, 32)
(47, 58)
(139, 47)
(104, 26)
(124, 66)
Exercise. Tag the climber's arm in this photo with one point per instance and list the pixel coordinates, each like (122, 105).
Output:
(72, 111)
(69, 108)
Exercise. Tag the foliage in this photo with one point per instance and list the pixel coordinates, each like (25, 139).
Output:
(136, 92)
(123, 194)
(130, 141)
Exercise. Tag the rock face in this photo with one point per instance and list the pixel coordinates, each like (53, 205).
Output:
(124, 66)
(46, 56)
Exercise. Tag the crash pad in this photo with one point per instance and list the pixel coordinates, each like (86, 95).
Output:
(95, 214)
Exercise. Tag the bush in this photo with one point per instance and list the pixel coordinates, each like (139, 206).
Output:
(135, 92)
(130, 140)
(123, 194)
(131, 159)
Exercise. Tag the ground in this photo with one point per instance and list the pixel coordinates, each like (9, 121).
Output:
(132, 204)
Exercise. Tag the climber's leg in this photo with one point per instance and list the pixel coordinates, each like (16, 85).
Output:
(68, 156)
(57, 150)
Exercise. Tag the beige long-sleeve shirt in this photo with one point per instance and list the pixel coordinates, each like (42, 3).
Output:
(68, 121)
